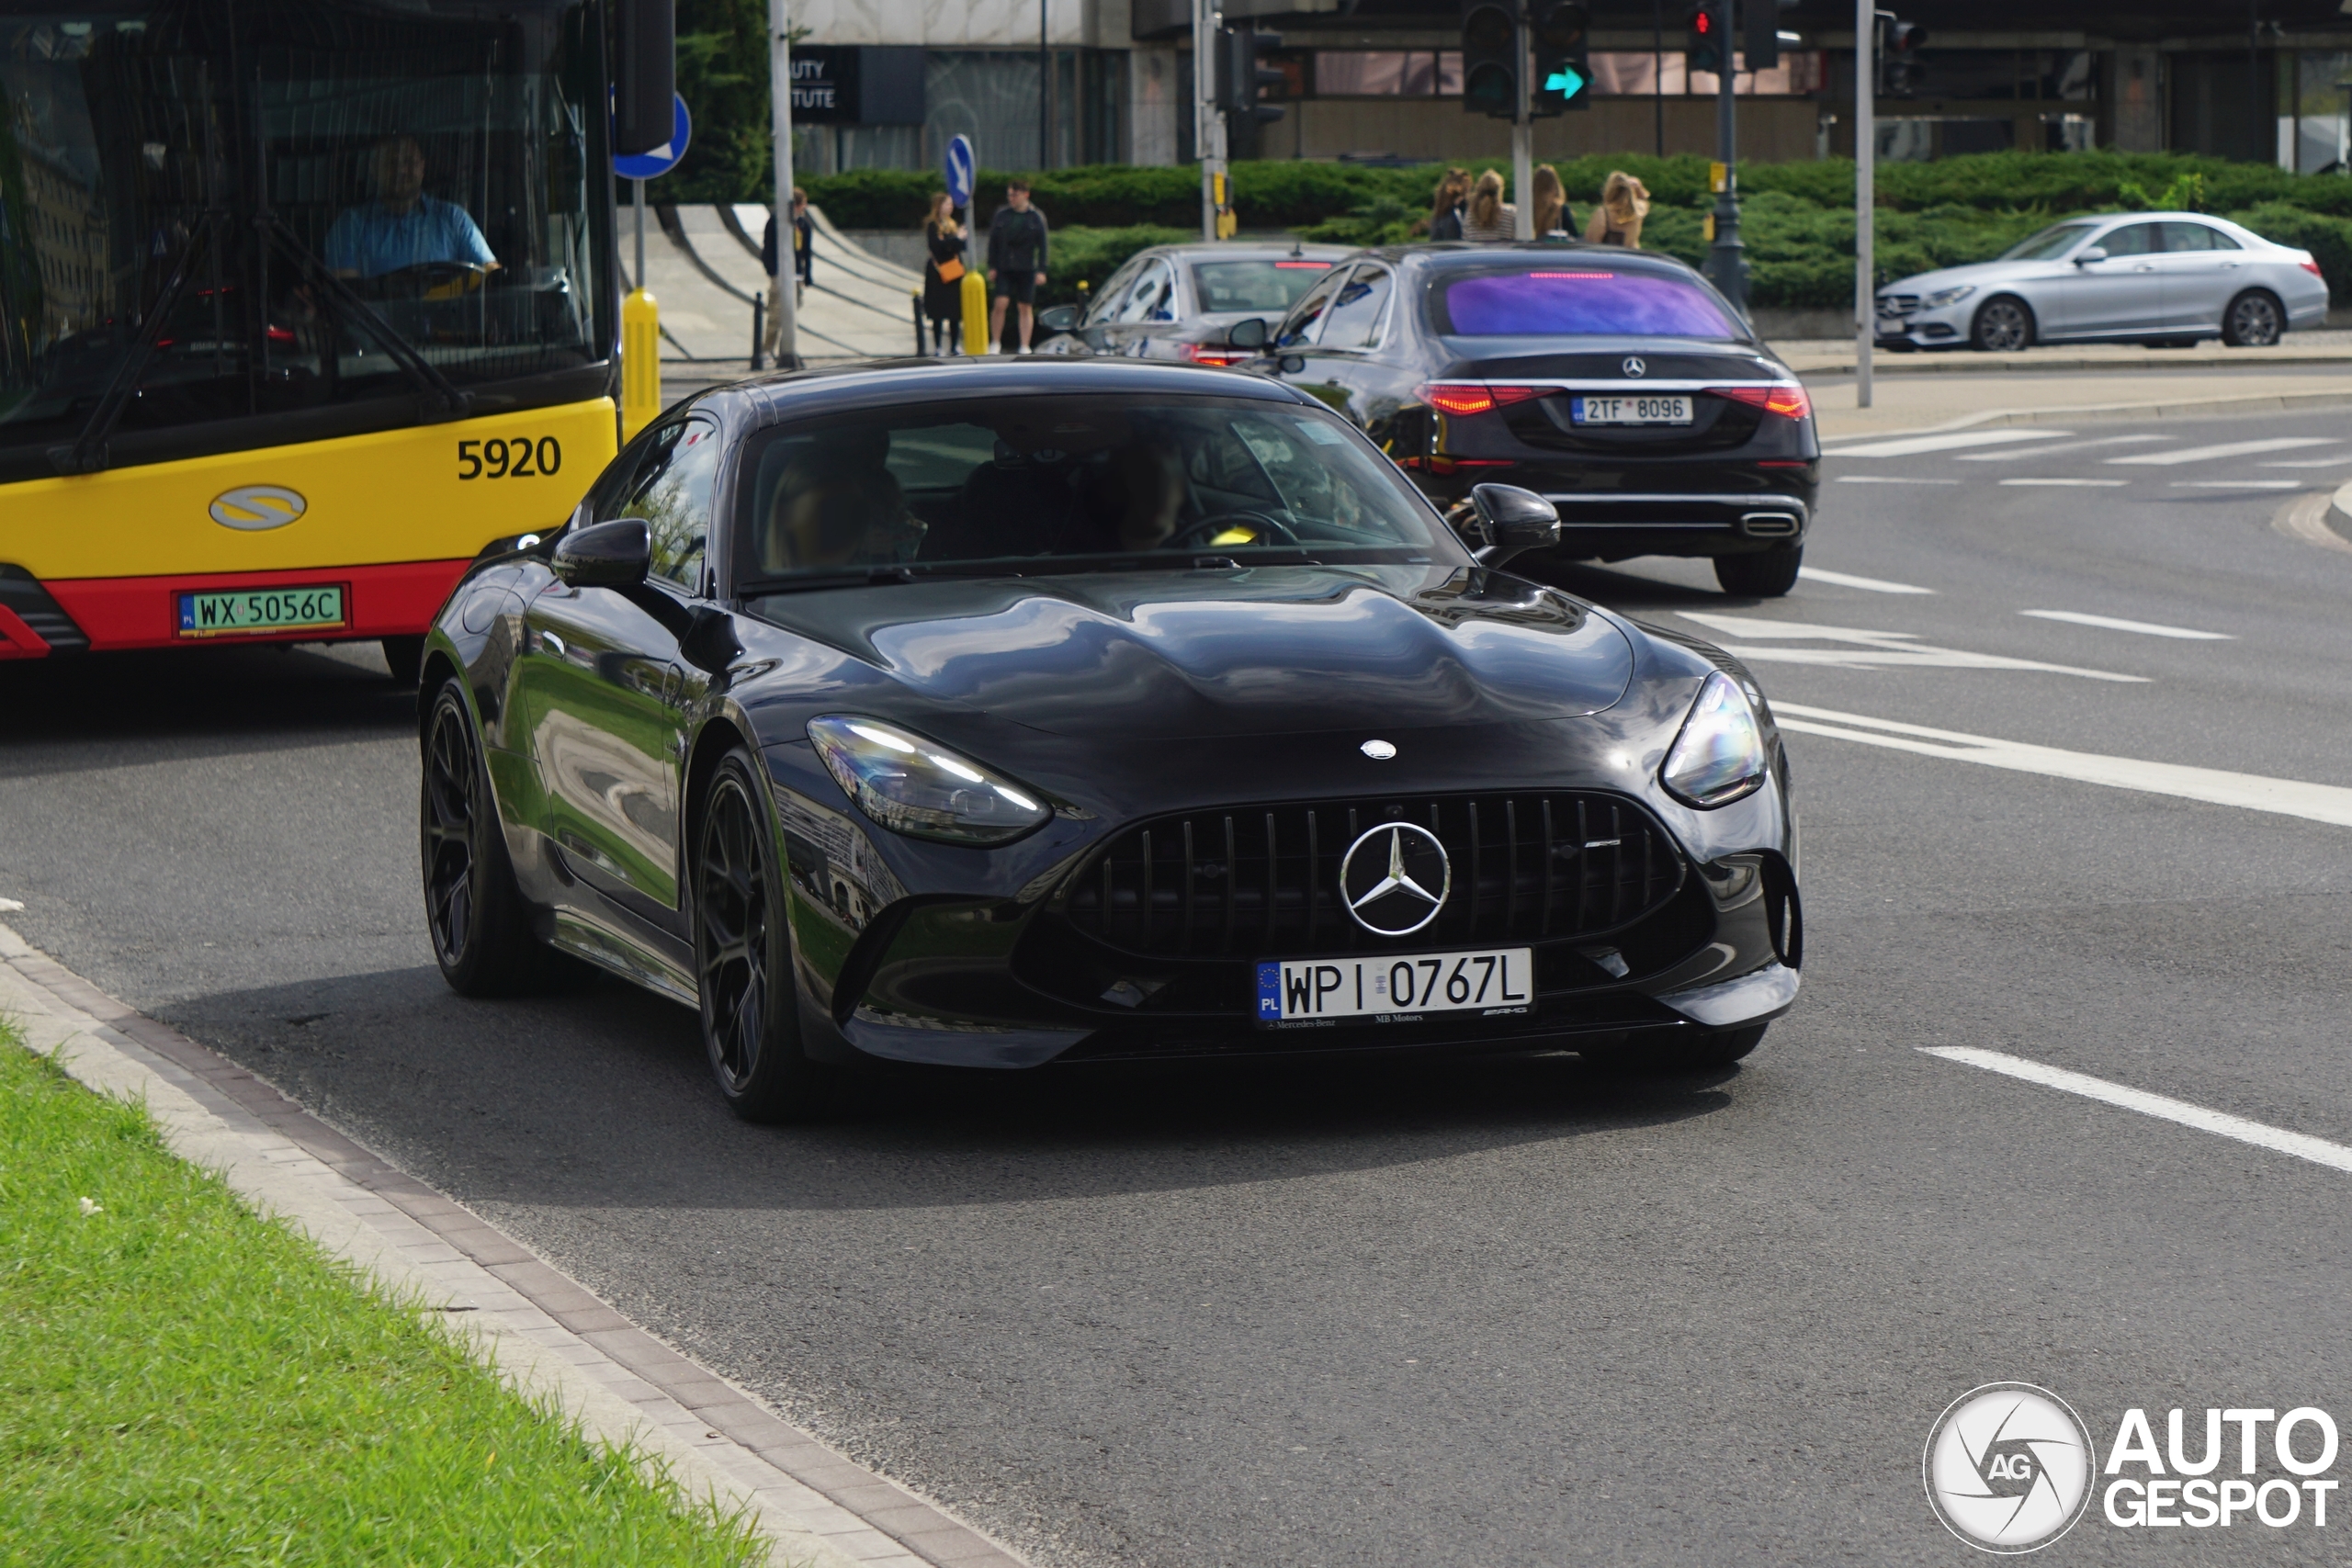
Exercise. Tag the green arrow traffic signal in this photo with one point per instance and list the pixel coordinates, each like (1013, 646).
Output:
(1565, 81)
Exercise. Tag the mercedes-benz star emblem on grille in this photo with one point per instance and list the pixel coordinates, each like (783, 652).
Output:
(1394, 878)
(1634, 366)
(1378, 750)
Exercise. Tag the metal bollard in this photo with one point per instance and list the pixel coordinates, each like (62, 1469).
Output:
(759, 333)
(976, 313)
(641, 362)
(918, 323)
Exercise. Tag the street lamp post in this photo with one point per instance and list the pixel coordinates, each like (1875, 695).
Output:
(1865, 193)
(788, 357)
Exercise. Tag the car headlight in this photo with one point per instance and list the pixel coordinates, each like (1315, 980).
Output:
(1719, 756)
(1943, 297)
(913, 786)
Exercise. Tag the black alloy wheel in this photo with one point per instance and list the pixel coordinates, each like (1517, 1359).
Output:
(1761, 574)
(2003, 325)
(481, 931)
(2254, 320)
(743, 954)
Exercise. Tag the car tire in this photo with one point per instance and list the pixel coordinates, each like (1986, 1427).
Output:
(479, 923)
(1760, 574)
(2254, 320)
(2003, 324)
(743, 970)
(404, 657)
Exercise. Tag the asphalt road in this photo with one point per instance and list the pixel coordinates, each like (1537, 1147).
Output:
(1498, 1313)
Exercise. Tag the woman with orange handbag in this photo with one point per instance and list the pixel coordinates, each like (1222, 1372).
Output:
(943, 276)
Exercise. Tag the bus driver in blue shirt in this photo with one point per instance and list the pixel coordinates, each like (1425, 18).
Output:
(402, 227)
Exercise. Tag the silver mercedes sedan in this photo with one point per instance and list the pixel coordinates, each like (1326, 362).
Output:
(2162, 278)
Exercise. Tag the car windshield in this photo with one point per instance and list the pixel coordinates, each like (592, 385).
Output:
(2050, 244)
(1575, 300)
(1028, 480)
(1267, 286)
(220, 208)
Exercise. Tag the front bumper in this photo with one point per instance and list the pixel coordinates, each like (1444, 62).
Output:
(1927, 327)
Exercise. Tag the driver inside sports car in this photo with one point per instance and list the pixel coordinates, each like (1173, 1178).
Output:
(402, 227)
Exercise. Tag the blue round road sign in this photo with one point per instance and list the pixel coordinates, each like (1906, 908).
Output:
(661, 160)
(961, 164)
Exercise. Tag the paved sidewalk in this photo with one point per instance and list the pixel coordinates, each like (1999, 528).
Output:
(544, 1332)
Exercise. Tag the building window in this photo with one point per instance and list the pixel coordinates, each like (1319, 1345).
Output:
(1386, 73)
(1639, 75)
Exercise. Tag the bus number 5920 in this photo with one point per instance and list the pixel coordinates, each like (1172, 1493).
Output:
(520, 458)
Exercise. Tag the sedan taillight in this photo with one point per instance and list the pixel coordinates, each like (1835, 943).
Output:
(1214, 354)
(1790, 402)
(1459, 398)
(2311, 266)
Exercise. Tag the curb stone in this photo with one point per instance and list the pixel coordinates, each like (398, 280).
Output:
(543, 1332)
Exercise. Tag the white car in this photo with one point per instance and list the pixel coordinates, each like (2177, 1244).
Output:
(2155, 277)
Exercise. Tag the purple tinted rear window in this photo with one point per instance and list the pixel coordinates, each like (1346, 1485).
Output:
(1572, 301)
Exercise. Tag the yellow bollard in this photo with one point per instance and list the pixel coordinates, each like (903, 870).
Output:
(641, 362)
(976, 313)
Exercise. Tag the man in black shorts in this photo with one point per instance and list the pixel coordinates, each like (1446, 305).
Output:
(1017, 255)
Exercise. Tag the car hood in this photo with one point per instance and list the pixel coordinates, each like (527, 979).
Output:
(1263, 650)
(1977, 273)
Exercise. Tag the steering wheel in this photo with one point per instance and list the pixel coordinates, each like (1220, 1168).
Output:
(1200, 535)
(434, 280)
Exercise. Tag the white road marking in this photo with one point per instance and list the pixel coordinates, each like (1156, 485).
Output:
(2261, 1134)
(1841, 580)
(2216, 787)
(2237, 484)
(1863, 650)
(2179, 454)
(2144, 627)
(10, 906)
(2069, 447)
(2336, 462)
(2079, 484)
(1888, 479)
(1950, 441)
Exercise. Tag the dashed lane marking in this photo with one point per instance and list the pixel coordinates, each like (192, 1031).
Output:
(2052, 451)
(2237, 484)
(1856, 649)
(2216, 787)
(2261, 1134)
(1951, 441)
(2145, 628)
(1888, 479)
(2340, 461)
(1842, 579)
(2178, 454)
(2072, 484)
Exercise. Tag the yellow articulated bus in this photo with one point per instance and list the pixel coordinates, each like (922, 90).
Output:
(303, 304)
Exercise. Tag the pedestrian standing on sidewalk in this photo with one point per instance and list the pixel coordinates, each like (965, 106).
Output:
(1446, 208)
(804, 255)
(1490, 218)
(943, 276)
(1624, 202)
(1017, 256)
(1552, 219)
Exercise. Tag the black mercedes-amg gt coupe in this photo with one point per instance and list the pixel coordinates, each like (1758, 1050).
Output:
(999, 712)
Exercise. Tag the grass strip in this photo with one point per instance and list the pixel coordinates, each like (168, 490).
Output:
(182, 1382)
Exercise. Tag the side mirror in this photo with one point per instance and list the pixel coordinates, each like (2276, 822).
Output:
(1248, 332)
(610, 555)
(1058, 318)
(1515, 520)
(2094, 254)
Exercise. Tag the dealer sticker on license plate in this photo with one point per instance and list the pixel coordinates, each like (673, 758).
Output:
(1629, 411)
(1393, 989)
(260, 610)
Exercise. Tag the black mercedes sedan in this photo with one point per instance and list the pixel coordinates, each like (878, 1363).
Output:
(1616, 383)
(999, 713)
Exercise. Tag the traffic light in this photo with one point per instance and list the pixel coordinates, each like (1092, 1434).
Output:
(1563, 77)
(1760, 50)
(1899, 65)
(1490, 59)
(1242, 79)
(1703, 51)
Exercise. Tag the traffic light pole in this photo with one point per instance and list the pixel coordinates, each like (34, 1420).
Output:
(1208, 125)
(1726, 259)
(1865, 194)
(1523, 131)
(788, 271)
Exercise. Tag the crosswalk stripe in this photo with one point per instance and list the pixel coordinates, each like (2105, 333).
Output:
(2075, 484)
(2237, 484)
(1841, 579)
(2109, 623)
(2068, 447)
(1949, 441)
(2178, 454)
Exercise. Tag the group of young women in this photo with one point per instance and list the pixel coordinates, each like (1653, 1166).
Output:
(1469, 208)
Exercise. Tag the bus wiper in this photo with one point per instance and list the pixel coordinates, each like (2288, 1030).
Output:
(87, 453)
(455, 404)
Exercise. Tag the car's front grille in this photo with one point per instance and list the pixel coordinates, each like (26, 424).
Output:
(1264, 880)
(1897, 304)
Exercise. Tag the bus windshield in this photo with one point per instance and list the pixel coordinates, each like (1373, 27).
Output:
(330, 215)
